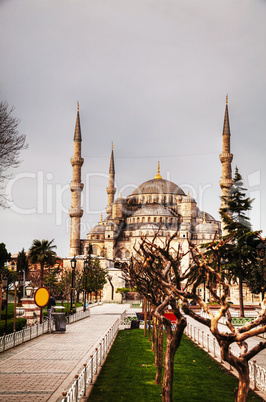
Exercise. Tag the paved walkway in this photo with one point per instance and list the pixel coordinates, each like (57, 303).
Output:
(260, 357)
(40, 370)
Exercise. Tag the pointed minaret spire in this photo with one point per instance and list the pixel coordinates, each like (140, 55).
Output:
(76, 187)
(226, 158)
(111, 188)
(77, 134)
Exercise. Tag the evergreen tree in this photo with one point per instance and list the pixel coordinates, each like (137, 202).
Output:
(240, 254)
(4, 255)
(22, 262)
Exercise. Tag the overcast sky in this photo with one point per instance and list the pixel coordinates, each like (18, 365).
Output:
(151, 76)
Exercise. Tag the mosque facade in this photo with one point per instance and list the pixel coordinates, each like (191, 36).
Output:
(157, 206)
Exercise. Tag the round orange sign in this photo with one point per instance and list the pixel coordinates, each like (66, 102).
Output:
(42, 296)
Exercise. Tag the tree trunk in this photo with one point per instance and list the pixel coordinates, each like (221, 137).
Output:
(153, 333)
(168, 377)
(173, 340)
(155, 340)
(241, 365)
(158, 377)
(243, 384)
(149, 317)
(145, 316)
(241, 304)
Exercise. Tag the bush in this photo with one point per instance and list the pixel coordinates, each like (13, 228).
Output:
(20, 323)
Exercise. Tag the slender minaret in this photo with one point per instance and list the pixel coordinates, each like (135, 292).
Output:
(76, 187)
(111, 188)
(226, 158)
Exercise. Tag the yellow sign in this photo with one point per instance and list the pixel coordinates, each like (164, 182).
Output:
(42, 296)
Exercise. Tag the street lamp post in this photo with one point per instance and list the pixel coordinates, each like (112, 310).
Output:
(85, 273)
(5, 283)
(73, 266)
(261, 249)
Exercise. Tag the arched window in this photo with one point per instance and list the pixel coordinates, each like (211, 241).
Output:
(127, 254)
(149, 218)
(95, 250)
(118, 254)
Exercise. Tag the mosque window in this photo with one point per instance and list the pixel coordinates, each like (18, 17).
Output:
(143, 219)
(95, 250)
(149, 199)
(127, 254)
(154, 219)
(149, 218)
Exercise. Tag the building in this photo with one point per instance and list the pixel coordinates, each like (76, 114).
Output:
(157, 206)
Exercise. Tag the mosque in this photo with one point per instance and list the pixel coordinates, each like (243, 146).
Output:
(156, 206)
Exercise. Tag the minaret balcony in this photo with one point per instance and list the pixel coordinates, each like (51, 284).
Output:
(76, 161)
(76, 186)
(226, 157)
(75, 213)
(111, 190)
(226, 183)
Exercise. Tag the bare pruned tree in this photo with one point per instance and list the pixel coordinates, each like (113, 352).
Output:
(207, 267)
(11, 143)
(153, 272)
(158, 276)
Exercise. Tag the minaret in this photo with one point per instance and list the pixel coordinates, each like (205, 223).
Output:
(76, 187)
(226, 157)
(111, 188)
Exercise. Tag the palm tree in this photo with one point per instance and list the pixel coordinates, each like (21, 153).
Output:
(42, 252)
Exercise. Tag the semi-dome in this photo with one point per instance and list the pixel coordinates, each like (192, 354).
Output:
(98, 229)
(156, 209)
(158, 186)
(150, 226)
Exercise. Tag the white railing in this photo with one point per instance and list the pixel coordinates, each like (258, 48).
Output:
(26, 334)
(85, 377)
(257, 374)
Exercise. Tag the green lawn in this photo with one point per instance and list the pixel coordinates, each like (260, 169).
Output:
(128, 374)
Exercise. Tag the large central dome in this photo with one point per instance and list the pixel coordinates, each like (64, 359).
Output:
(158, 186)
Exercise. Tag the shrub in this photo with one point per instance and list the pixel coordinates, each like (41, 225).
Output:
(20, 323)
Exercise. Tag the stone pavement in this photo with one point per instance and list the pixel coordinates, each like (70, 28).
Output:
(41, 369)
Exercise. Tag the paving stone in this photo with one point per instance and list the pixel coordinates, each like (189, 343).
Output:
(41, 369)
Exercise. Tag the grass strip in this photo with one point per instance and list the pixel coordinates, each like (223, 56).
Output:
(128, 374)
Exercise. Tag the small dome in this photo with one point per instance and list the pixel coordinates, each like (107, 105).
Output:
(158, 186)
(119, 200)
(187, 198)
(208, 228)
(98, 229)
(208, 217)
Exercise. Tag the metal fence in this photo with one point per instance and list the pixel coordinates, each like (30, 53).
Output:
(26, 334)
(84, 378)
(257, 374)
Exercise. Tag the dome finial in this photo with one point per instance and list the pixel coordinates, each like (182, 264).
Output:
(101, 218)
(204, 217)
(158, 176)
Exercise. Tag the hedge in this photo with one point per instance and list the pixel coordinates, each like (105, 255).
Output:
(20, 324)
